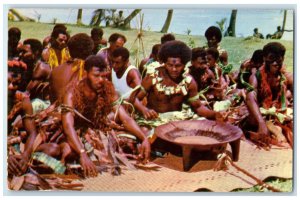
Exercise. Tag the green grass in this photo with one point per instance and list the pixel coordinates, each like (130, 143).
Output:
(284, 185)
(238, 49)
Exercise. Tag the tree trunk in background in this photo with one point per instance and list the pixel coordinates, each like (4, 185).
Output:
(99, 19)
(79, 17)
(166, 26)
(20, 16)
(284, 20)
(231, 28)
(128, 19)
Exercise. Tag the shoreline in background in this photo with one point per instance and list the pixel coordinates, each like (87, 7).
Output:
(194, 20)
(239, 49)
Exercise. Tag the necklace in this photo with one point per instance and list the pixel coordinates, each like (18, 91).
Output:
(180, 88)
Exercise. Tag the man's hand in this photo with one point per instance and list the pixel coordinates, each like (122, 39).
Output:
(263, 129)
(150, 114)
(221, 116)
(17, 164)
(261, 137)
(144, 151)
(89, 169)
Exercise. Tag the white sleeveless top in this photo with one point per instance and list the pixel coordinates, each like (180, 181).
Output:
(120, 84)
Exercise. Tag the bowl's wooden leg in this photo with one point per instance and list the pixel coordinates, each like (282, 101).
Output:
(235, 148)
(186, 157)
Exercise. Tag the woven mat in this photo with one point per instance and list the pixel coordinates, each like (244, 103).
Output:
(277, 162)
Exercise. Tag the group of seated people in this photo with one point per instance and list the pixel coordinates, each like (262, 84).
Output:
(89, 89)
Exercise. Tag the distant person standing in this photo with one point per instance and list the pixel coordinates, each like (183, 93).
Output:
(257, 34)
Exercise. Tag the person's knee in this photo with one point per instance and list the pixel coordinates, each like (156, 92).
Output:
(50, 149)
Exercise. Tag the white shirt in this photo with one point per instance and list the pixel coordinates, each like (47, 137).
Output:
(120, 84)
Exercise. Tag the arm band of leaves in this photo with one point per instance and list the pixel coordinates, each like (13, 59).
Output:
(65, 108)
(143, 89)
(117, 102)
(194, 98)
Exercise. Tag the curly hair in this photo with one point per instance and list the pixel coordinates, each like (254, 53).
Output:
(56, 31)
(155, 49)
(35, 45)
(60, 26)
(167, 37)
(198, 52)
(121, 51)
(213, 31)
(97, 32)
(214, 52)
(257, 56)
(115, 36)
(80, 46)
(95, 61)
(15, 33)
(275, 48)
(175, 49)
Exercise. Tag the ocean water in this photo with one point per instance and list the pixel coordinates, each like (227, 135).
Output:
(195, 20)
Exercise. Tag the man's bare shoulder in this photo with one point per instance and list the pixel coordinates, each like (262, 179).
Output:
(61, 69)
(42, 70)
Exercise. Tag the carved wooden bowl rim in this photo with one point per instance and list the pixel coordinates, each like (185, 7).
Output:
(222, 132)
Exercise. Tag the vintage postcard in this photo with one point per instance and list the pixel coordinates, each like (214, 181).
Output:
(148, 99)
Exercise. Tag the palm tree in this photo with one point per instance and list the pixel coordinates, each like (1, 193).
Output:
(128, 19)
(166, 26)
(221, 24)
(19, 16)
(284, 22)
(231, 28)
(79, 17)
(100, 15)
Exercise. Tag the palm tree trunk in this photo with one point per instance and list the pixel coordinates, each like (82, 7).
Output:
(231, 28)
(79, 17)
(99, 19)
(166, 26)
(128, 19)
(284, 21)
(20, 16)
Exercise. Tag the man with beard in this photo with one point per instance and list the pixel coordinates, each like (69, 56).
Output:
(93, 98)
(58, 52)
(80, 47)
(47, 39)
